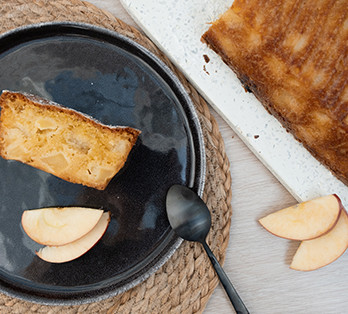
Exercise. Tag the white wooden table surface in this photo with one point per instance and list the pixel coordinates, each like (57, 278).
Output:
(257, 262)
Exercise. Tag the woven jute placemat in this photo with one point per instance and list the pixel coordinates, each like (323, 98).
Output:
(185, 283)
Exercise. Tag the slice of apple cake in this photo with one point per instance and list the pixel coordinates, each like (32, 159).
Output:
(293, 55)
(62, 141)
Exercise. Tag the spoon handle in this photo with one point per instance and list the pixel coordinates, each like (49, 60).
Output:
(225, 281)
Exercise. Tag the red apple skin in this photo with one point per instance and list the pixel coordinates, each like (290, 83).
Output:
(343, 212)
(311, 238)
(339, 203)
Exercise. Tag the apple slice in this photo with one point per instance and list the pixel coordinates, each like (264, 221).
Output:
(59, 225)
(73, 250)
(304, 221)
(319, 252)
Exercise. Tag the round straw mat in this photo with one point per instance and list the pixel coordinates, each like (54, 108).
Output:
(185, 283)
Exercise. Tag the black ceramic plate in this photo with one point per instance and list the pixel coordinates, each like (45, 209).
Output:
(118, 82)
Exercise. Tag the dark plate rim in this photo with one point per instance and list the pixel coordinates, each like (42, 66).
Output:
(199, 163)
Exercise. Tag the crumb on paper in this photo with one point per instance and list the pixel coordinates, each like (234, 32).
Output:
(206, 58)
(205, 70)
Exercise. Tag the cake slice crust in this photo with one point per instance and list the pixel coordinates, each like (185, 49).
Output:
(62, 141)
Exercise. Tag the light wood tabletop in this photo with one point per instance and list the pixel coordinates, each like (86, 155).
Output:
(257, 262)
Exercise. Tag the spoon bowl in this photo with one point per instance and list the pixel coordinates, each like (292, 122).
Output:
(190, 218)
(187, 214)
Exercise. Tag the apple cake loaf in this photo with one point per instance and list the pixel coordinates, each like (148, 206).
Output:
(293, 55)
(62, 141)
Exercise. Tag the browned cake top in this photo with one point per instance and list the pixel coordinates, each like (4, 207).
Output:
(294, 56)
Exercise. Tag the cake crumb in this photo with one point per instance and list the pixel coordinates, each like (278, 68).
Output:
(205, 70)
(206, 58)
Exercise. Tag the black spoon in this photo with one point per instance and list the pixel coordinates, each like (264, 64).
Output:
(190, 218)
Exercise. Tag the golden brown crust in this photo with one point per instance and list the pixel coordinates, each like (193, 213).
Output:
(293, 56)
(51, 106)
(85, 152)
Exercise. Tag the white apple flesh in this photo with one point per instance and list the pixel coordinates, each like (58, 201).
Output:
(304, 221)
(73, 250)
(59, 225)
(319, 252)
